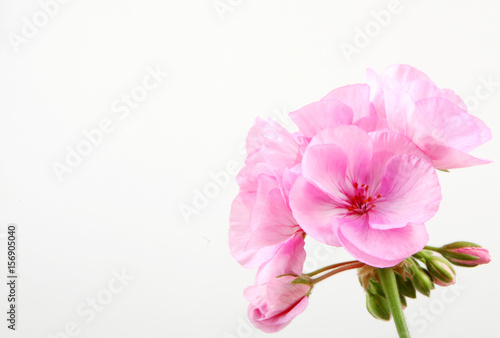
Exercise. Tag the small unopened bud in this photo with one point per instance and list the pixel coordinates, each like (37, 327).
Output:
(422, 282)
(377, 306)
(405, 286)
(465, 254)
(376, 288)
(441, 271)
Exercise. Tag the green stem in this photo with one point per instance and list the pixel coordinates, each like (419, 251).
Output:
(329, 267)
(432, 248)
(388, 281)
(345, 267)
(423, 255)
(414, 262)
(426, 254)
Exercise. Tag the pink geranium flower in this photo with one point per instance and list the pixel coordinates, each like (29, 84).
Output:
(435, 119)
(368, 192)
(359, 173)
(261, 219)
(275, 301)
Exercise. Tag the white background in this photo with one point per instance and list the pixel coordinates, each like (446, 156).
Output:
(119, 208)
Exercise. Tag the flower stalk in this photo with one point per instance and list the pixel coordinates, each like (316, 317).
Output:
(388, 281)
(354, 265)
(329, 267)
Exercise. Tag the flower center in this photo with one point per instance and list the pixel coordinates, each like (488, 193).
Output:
(361, 201)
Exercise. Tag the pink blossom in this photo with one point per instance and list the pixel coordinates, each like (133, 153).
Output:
(275, 301)
(368, 192)
(435, 119)
(261, 219)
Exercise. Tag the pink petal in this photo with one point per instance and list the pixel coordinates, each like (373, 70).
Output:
(404, 73)
(313, 210)
(239, 233)
(386, 144)
(269, 142)
(376, 92)
(265, 184)
(282, 295)
(410, 193)
(276, 223)
(400, 109)
(371, 122)
(356, 96)
(420, 89)
(255, 294)
(381, 248)
(288, 179)
(419, 85)
(457, 159)
(289, 259)
(403, 118)
(484, 130)
(248, 177)
(451, 96)
(353, 142)
(275, 321)
(325, 166)
(460, 129)
(320, 115)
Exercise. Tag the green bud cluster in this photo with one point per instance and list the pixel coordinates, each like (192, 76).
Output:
(420, 273)
(376, 301)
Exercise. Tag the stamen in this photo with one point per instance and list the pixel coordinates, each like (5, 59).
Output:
(360, 202)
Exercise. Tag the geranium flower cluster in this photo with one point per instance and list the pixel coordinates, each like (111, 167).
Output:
(360, 173)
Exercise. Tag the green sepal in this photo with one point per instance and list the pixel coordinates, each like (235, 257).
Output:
(376, 288)
(458, 256)
(459, 245)
(377, 306)
(422, 281)
(306, 280)
(406, 287)
(463, 265)
(303, 280)
(419, 256)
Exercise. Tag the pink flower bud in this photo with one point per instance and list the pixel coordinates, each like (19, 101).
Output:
(482, 254)
(276, 303)
(441, 271)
